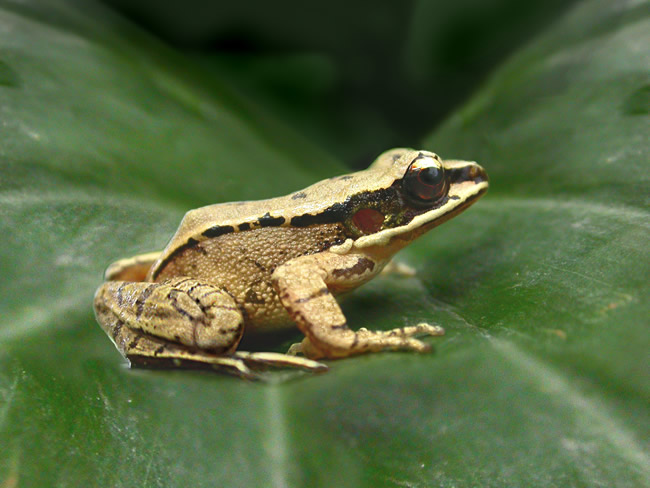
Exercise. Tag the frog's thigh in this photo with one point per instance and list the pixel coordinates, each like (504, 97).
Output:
(131, 269)
(303, 287)
(183, 311)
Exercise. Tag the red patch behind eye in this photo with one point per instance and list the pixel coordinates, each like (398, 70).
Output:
(368, 220)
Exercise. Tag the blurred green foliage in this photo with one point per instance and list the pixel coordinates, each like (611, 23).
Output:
(355, 76)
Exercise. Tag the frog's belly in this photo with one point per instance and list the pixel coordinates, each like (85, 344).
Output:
(272, 316)
(242, 263)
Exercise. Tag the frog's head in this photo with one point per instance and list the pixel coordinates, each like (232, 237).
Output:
(415, 191)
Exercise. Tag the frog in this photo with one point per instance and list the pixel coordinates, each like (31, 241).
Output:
(254, 267)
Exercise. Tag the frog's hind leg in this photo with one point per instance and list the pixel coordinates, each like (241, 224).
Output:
(182, 310)
(264, 360)
(131, 269)
(146, 351)
(181, 323)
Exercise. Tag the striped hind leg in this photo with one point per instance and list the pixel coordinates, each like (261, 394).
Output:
(181, 323)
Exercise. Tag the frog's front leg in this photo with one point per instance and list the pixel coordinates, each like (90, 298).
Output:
(305, 287)
(181, 323)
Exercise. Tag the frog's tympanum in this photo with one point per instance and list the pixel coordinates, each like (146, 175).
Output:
(249, 267)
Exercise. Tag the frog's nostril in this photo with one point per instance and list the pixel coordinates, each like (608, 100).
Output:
(470, 172)
(478, 174)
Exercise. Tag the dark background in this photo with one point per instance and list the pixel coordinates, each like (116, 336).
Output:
(355, 76)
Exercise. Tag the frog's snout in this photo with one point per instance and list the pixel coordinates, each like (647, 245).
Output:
(477, 173)
(469, 171)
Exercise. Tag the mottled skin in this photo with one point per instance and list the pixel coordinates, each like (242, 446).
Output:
(243, 267)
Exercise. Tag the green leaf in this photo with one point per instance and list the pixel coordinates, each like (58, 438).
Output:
(542, 380)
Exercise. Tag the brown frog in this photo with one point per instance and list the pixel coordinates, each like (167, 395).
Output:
(245, 267)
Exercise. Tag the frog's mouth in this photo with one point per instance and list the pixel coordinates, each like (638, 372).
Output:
(468, 181)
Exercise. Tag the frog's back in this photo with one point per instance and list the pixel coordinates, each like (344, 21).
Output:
(238, 245)
(320, 205)
(238, 222)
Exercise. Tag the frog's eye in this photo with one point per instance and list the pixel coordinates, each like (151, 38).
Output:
(425, 182)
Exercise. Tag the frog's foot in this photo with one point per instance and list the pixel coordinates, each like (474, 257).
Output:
(396, 268)
(145, 351)
(400, 339)
(244, 364)
(406, 334)
(263, 360)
